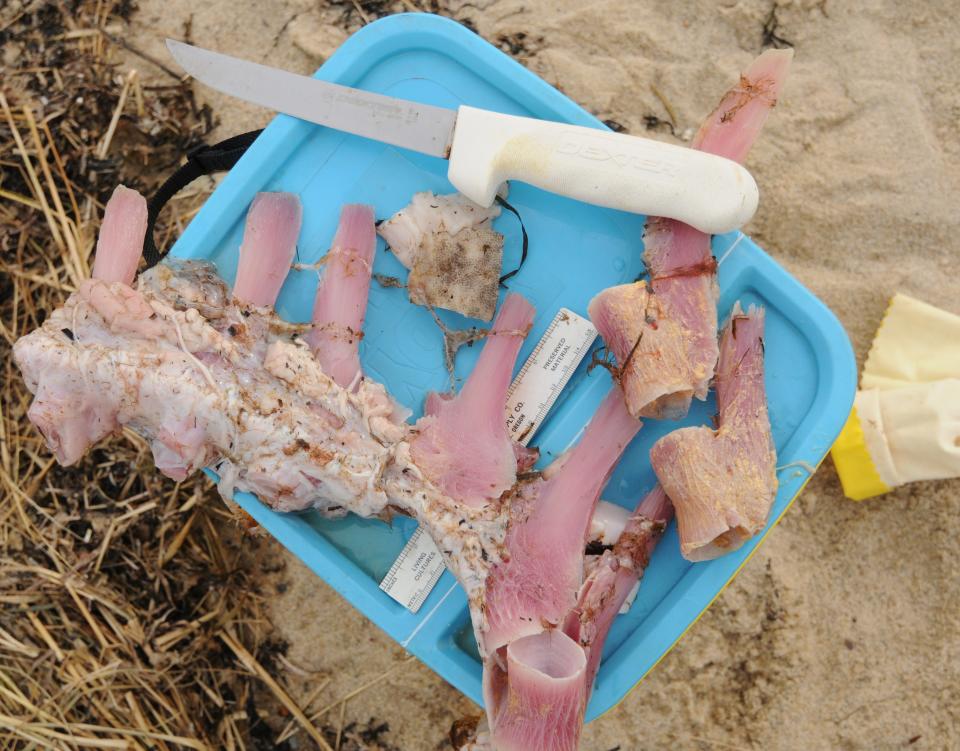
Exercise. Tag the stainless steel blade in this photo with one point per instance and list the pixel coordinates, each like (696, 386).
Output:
(399, 122)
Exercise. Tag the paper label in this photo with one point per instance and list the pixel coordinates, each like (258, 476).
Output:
(546, 372)
(415, 572)
(533, 392)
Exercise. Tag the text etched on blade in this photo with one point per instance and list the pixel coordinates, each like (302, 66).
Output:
(402, 112)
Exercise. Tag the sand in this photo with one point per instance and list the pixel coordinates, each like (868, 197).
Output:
(843, 631)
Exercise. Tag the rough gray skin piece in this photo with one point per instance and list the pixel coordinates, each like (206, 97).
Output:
(455, 257)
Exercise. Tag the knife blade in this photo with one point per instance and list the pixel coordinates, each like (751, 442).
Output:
(486, 148)
(409, 125)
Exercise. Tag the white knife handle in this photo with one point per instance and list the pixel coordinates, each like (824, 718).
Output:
(614, 170)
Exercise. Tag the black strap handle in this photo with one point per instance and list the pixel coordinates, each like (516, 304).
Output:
(202, 160)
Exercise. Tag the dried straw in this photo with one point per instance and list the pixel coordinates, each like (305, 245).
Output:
(127, 617)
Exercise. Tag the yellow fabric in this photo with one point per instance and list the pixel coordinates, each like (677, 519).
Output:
(916, 343)
(920, 430)
(858, 475)
(904, 424)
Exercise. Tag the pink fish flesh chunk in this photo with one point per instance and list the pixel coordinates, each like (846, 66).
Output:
(71, 424)
(463, 445)
(735, 124)
(614, 576)
(723, 482)
(120, 242)
(539, 700)
(341, 302)
(228, 387)
(536, 585)
(269, 243)
(664, 336)
(455, 466)
(209, 379)
(527, 456)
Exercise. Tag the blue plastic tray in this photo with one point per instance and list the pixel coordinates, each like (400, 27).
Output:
(575, 251)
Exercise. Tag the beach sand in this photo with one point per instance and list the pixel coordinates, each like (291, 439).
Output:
(843, 631)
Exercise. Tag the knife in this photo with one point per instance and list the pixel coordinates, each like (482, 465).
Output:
(485, 148)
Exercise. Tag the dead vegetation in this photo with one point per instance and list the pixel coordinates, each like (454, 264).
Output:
(129, 617)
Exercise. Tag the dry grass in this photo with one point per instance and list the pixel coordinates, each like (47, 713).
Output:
(128, 618)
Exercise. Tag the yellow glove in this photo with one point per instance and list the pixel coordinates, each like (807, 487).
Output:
(905, 424)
